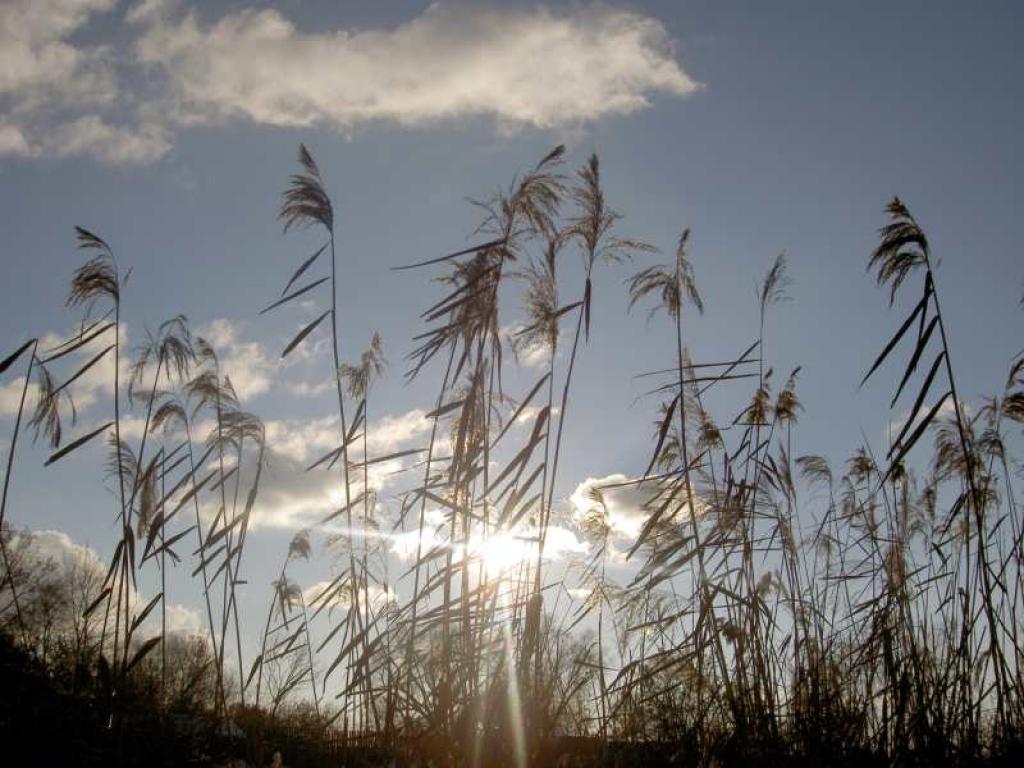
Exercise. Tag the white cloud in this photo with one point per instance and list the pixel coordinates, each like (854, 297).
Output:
(499, 550)
(10, 396)
(521, 67)
(36, 57)
(299, 440)
(61, 548)
(115, 144)
(303, 441)
(626, 513)
(181, 620)
(91, 388)
(948, 410)
(330, 597)
(246, 363)
(306, 389)
(560, 541)
(56, 96)
(291, 498)
(77, 565)
(532, 67)
(579, 594)
(13, 141)
(391, 432)
(536, 356)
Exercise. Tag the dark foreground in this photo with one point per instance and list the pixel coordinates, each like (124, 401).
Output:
(67, 722)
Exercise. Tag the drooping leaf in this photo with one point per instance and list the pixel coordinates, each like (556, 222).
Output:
(905, 447)
(922, 342)
(57, 455)
(586, 307)
(921, 395)
(388, 457)
(294, 295)
(140, 654)
(332, 455)
(76, 343)
(304, 266)
(103, 595)
(464, 252)
(921, 305)
(165, 546)
(522, 407)
(8, 361)
(447, 408)
(663, 432)
(137, 621)
(252, 672)
(82, 371)
(303, 334)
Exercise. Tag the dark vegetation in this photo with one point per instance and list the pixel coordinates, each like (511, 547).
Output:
(782, 612)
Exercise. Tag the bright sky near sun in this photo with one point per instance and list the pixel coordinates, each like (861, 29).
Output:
(170, 128)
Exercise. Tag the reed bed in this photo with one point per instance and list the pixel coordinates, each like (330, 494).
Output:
(778, 608)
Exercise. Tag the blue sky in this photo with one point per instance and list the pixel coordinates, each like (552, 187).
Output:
(170, 129)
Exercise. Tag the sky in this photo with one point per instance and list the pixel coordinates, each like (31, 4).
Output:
(170, 129)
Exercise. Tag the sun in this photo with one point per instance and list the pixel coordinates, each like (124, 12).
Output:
(501, 552)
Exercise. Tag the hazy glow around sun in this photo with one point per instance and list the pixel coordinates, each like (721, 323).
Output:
(499, 551)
